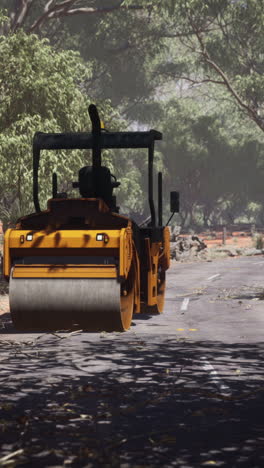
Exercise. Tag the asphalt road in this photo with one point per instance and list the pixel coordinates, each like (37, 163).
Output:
(183, 389)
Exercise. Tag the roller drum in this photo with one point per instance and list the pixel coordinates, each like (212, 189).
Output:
(59, 303)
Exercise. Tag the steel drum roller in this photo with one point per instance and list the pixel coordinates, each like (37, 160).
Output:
(48, 303)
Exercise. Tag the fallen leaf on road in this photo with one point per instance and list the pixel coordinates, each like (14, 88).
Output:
(7, 458)
(86, 388)
(167, 439)
(75, 332)
(7, 406)
(198, 413)
(58, 336)
(117, 444)
(70, 461)
(86, 416)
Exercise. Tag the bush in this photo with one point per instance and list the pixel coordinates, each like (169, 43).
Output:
(259, 242)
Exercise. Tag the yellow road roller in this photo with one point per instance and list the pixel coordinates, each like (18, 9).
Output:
(80, 263)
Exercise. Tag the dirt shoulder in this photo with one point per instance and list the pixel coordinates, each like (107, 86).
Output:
(4, 300)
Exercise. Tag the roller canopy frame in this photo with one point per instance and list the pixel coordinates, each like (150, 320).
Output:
(53, 141)
(96, 140)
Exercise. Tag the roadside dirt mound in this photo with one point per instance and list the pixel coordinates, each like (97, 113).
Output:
(209, 246)
(186, 247)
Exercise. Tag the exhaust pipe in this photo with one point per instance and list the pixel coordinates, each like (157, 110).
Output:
(96, 132)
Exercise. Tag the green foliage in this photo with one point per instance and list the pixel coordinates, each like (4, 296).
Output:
(43, 90)
(223, 43)
(3, 17)
(136, 48)
(259, 242)
(40, 91)
(150, 62)
(216, 169)
(123, 52)
(35, 79)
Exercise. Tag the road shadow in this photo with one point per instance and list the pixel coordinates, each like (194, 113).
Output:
(144, 316)
(120, 400)
(7, 327)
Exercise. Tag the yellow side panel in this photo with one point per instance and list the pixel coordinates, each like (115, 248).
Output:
(63, 239)
(166, 244)
(152, 273)
(6, 252)
(137, 280)
(125, 251)
(65, 271)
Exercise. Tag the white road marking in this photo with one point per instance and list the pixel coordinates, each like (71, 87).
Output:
(185, 303)
(258, 263)
(214, 377)
(214, 276)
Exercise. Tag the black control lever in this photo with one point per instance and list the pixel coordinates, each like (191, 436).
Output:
(115, 184)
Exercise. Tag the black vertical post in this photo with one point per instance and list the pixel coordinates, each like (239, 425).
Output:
(150, 183)
(160, 197)
(96, 132)
(36, 156)
(54, 185)
(224, 235)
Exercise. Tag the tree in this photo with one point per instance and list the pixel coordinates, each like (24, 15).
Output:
(115, 35)
(136, 54)
(40, 89)
(213, 159)
(32, 15)
(223, 45)
(201, 41)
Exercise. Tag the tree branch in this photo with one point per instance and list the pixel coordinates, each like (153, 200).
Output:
(204, 52)
(65, 9)
(48, 4)
(251, 112)
(207, 80)
(19, 17)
